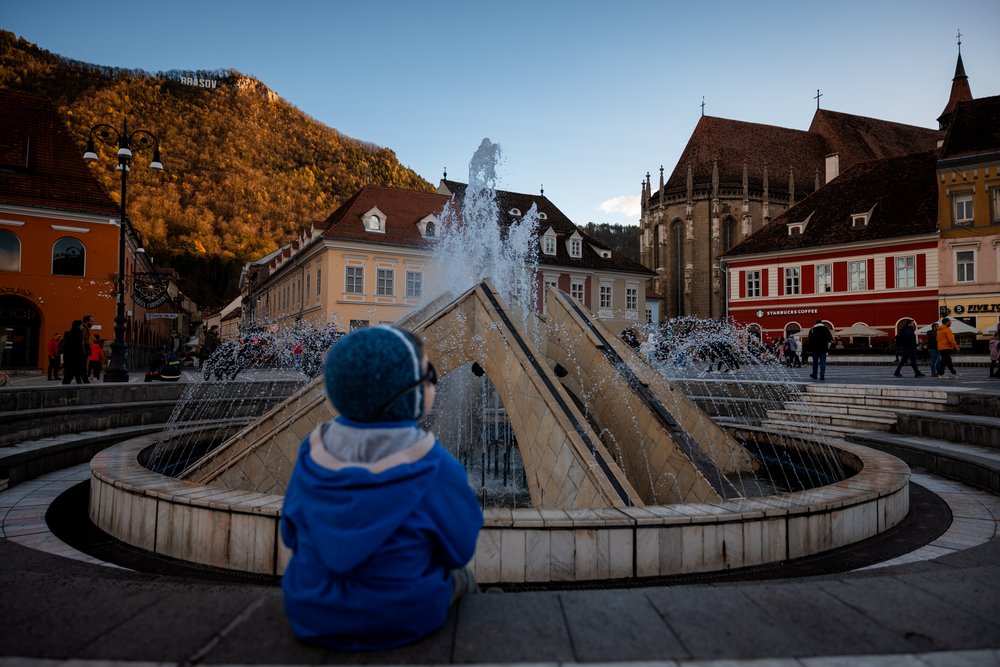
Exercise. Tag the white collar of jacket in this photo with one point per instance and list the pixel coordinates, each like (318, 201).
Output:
(319, 453)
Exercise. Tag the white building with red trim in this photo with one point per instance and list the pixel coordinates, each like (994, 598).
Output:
(862, 250)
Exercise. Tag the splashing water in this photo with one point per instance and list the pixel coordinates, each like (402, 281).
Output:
(475, 245)
(239, 382)
(746, 387)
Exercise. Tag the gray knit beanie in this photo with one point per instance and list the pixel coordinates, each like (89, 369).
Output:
(368, 367)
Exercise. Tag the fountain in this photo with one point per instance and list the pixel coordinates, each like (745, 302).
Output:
(599, 465)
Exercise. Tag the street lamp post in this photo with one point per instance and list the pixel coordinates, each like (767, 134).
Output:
(125, 141)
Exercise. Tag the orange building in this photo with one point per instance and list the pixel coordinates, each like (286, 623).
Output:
(58, 237)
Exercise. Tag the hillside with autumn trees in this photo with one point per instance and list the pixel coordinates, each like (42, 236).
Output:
(244, 169)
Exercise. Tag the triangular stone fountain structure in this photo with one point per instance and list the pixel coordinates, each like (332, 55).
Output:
(610, 433)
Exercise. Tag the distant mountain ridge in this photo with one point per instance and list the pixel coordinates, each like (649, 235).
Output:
(244, 169)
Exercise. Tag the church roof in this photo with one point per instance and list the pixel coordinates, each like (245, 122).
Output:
(733, 142)
(40, 164)
(898, 193)
(859, 138)
(563, 228)
(974, 128)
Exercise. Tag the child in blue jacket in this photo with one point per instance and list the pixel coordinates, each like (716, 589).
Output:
(380, 519)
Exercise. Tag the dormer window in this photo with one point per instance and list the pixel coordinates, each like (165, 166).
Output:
(428, 227)
(516, 212)
(575, 245)
(799, 227)
(542, 216)
(859, 220)
(603, 253)
(549, 242)
(374, 221)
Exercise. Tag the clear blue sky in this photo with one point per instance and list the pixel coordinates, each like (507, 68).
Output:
(584, 97)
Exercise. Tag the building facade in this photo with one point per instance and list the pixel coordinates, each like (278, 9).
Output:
(862, 250)
(369, 263)
(968, 180)
(732, 179)
(364, 265)
(59, 239)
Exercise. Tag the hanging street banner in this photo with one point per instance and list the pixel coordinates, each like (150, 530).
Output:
(149, 294)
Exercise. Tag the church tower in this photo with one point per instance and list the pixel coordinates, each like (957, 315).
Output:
(960, 90)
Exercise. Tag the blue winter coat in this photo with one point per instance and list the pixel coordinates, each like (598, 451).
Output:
(373, 543)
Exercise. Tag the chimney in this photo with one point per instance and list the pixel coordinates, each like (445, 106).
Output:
(832, 166)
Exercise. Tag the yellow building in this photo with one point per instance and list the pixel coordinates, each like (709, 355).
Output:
(368, 262)
(968, 173)
(365, 265)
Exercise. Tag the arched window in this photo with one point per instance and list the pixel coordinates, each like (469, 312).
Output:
(68, 257)
(431, 230)
(10, 251)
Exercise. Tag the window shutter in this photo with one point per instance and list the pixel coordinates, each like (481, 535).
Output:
(890, 272)
(840, 276)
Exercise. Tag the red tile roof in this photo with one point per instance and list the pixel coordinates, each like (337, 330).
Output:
(900, 192)
(859, 138)
(402, 209)
(40, 164)
(562, 226)
(974, 128)
(733, 143)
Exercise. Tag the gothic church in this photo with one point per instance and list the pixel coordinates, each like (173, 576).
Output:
(733, 177)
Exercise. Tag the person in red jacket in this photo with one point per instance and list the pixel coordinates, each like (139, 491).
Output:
(95, 362)
(54, 356)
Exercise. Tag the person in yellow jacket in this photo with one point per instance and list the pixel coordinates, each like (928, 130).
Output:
(946, 345)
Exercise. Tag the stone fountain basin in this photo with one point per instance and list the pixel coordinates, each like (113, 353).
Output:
(238, 530)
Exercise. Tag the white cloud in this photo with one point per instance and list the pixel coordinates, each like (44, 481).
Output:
(625, 205)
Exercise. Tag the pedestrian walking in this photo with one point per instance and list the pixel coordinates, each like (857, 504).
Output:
(819, 344)
(74, 355)
(995, 354)
(946, 345)
(906, 346)
(795, 360)
(932, 349)
(95, 362)
(54, 356)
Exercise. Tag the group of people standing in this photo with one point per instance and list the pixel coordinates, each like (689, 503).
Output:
(79, 355)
